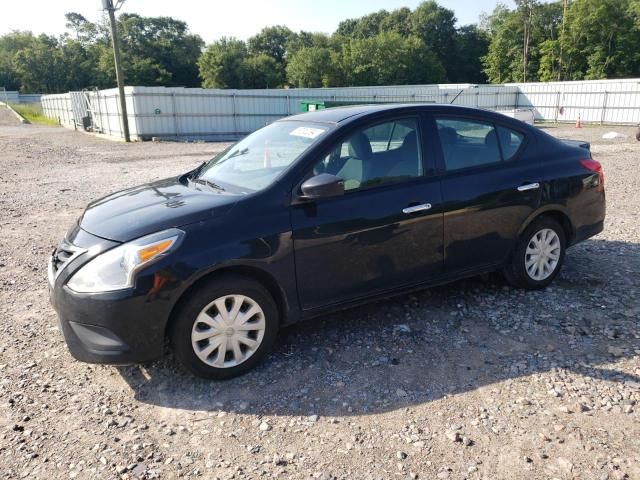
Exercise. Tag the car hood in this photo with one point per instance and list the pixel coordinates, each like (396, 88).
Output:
(149, 208)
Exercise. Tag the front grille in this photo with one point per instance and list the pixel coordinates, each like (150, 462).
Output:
(61, 257)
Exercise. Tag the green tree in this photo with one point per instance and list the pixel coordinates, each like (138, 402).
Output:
(41, 66)
(271, 41)
(517, 40)
(221, 64)
(85, 31)
(363, 27)
(261, 71)
(602, 39)
(311, 67)
(471, 44)
(307, 39)
(504, 52)
(435, 25)
(397, 21)
(161, 44)
(389, 58)
(10, 44)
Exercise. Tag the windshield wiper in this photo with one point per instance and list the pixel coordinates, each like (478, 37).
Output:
(237, 153)
(208, 183)
(197, 171)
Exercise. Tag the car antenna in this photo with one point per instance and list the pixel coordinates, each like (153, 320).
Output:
(460, 92)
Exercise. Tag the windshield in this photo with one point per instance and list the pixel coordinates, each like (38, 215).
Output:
(256, 161)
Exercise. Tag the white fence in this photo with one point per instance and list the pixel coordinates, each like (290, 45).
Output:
(11, 96)
(59, 107)
(596, 101)
(210, 114)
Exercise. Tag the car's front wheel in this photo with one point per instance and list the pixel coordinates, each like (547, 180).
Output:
(538, 255)
(225, 327)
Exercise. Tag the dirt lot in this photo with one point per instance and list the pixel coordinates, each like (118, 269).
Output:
(472, 380)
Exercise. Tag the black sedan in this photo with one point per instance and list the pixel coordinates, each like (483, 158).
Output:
(313, 213)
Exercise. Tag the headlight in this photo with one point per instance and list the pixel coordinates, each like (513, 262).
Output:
(116, 269)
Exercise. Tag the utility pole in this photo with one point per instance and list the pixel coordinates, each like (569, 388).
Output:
(528, 5)
(111, 9)
(565, 5)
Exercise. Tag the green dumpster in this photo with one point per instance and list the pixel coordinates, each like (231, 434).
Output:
(312, 105)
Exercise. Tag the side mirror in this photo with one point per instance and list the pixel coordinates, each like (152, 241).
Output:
(322, 186)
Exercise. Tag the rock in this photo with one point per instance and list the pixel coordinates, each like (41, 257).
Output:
(453, 436)
(401, 328)
(565, 465)
(580, 407)
(264, 427)
(466, 441)
(401, 455)
(612, 135)
(401, 393)
(616, 351)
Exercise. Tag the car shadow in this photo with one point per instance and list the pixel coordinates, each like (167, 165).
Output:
(422, 347)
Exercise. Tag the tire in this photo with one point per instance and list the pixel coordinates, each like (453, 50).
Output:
(200, 330)
(517, 273)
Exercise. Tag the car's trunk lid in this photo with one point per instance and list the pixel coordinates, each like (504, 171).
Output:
(577, 143)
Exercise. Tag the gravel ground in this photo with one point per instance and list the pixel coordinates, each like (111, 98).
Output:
(6, 117)
(471, 380)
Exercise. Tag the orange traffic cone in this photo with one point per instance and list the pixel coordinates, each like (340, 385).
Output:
(578, 123)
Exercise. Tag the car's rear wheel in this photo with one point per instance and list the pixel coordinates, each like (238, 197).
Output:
(538, 256)
(225, 327)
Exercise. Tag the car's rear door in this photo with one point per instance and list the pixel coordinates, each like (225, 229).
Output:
(489, 188)
(385, 232)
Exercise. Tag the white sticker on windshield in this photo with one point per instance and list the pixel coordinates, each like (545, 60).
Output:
(307, 132)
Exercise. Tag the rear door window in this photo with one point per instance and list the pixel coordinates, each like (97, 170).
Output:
(510, 142)
(470, 143)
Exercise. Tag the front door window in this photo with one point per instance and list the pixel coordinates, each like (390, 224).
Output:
(383, 154)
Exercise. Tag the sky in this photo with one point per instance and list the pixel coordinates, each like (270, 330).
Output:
(212, 19)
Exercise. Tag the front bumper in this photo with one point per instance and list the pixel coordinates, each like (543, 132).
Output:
(109, 328)
(121, 327)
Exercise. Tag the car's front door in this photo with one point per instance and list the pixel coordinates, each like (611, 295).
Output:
(489, 189)
(384, 232)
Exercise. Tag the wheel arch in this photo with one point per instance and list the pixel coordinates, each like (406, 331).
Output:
(559, 214)
(257, 274)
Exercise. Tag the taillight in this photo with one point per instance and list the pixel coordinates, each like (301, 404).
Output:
(595, 167)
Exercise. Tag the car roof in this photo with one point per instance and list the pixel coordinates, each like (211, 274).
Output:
(341, 114)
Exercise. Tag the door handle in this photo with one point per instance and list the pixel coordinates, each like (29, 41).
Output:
(528, 186)
(417, 208)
